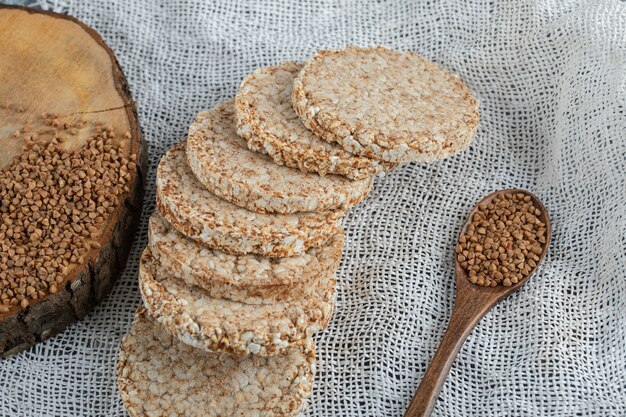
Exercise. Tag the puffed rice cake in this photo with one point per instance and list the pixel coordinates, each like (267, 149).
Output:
(206, 218)
(250, 279)
(214, 324)
(157, 375)
(385, 105)
(266, 119)
(222, 162)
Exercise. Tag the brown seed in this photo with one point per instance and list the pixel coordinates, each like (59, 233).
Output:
(501, 244)
(39, 231)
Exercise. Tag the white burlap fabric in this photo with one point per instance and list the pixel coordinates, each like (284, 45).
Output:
(551, 78)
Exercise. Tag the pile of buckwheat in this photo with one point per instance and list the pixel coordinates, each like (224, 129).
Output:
(53, 206)
(503, 242)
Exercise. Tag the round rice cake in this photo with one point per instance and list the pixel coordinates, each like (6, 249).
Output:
(223, 163)
(210, 220)
(250, 279)
(385, 105)
(215, 324)
(266, 119)
(157, 375)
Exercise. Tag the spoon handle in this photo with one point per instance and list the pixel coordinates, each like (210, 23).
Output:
(467, 312)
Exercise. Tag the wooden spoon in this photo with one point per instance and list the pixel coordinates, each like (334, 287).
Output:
(472, 303)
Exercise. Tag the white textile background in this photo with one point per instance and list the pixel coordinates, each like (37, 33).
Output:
(551, 78)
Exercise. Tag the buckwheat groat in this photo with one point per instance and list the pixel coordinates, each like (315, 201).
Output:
(223, 163)
(385, 105)
(266, 119)
(250, 279)
(158, 375)
(206, 218)
(213, 324)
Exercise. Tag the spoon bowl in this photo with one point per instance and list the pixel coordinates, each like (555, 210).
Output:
(499, 292)
(472, 303)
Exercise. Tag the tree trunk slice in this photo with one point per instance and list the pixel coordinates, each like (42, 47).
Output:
(54, 64)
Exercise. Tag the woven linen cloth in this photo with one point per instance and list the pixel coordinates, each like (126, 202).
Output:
(551, 79)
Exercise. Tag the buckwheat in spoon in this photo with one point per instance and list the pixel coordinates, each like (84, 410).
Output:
(501, 244)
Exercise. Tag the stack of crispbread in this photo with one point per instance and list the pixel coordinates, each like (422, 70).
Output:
(240, 268)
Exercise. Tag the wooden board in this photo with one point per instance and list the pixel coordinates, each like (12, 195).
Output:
(55, 66)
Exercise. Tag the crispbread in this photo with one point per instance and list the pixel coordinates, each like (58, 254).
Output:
(206, 218)
(266, 119)
(158, 375)
(211, 324)
(251, 279)
(222, 162)
(385, 105)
